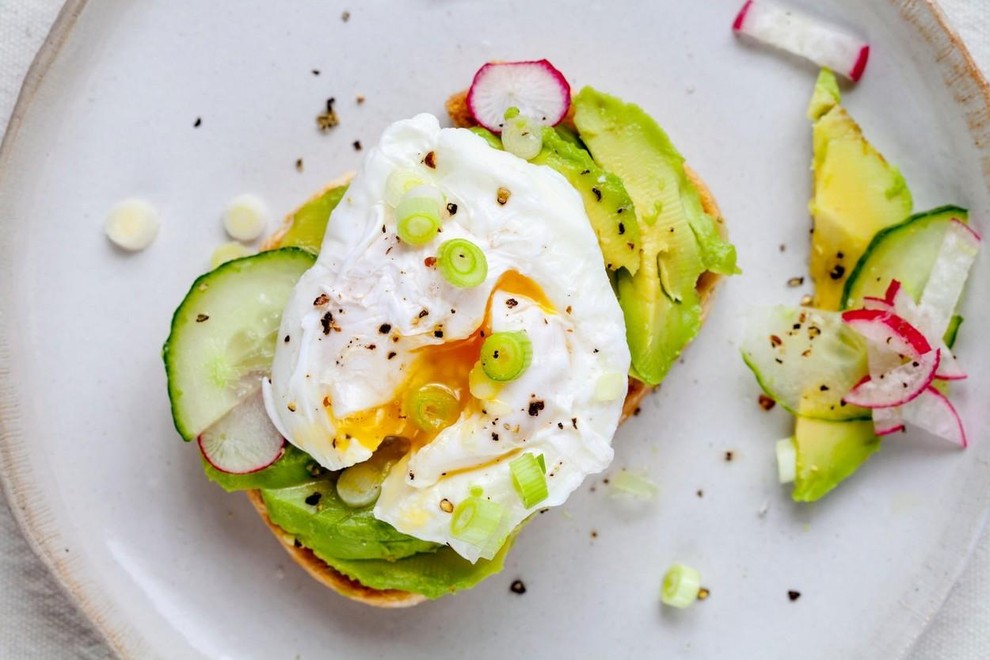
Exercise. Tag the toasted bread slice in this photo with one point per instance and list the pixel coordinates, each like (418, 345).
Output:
(325, 574)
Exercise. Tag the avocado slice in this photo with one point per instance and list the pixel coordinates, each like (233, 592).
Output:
(314, 514)
(605, 198)
(828, 452)
(679, 241)
(430, 574)
(293, 468)
(309, 222)
(857, 193)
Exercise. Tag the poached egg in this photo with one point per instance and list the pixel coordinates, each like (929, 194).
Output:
(374, 320)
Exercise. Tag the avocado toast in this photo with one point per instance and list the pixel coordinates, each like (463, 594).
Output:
(366, 547)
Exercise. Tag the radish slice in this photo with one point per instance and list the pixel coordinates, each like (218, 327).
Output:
(886, 329)
(887, 421)
(243, 440)
(934, 413)
(536, 88)
(948, 368)
(805, 36)
(948, 276)
(897, 386)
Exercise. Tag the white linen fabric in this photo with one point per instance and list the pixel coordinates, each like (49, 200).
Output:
(37, 620)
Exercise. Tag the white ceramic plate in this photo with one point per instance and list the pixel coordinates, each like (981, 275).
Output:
(168, 565)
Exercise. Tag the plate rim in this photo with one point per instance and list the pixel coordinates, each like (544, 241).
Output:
(960, 75)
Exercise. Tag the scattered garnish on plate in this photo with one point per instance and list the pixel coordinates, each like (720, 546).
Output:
(132, 224)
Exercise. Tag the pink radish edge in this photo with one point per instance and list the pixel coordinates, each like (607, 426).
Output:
(870, 393)
(892, 323)
(206, 457)
(860, 67)
(741, 16)
(481, 79)
(889, 430)
(973, 232)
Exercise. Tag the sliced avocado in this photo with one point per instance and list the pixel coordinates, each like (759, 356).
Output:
(309, 223)
(293, 468)
(314, 514)
(679, 241)
(828, 452)
(826, 95)
(857, 193)
(605, 198)
(657, 328)
(433, 574)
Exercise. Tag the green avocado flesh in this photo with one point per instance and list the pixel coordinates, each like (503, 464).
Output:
(659, 299)
(368, 550)
(605, 199)
(309, 222)
(856, 194)
(828, 452)
(293, 468)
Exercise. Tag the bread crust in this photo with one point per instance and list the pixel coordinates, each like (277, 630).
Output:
(637, 391)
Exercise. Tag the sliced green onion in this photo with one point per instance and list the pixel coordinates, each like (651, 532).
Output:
(417, 215)
(481, 386)
(542, 462)
(434, 407)
(633, 484)
(680, 586)
(360, 485)
(522, 136)
(511, 112)
(506, 355)
(399, 182)
(476, 521)
(528, 479)
(462, 263)
(786, 460)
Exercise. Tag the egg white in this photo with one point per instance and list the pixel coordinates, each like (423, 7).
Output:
(366, 278)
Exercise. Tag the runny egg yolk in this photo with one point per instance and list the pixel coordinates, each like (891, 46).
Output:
(445, 364)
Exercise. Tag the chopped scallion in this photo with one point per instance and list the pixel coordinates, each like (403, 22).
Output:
(528, 479)
(786, 460)
(680, 586)
(476, 521)
(434, 407)
(360, 485)
(506, 355)
(417, 215)
(633, 484)
(462, 263)
(522, 136)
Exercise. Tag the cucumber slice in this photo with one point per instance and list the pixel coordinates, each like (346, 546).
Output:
(806, 360)
(223, 335)
(904, 252)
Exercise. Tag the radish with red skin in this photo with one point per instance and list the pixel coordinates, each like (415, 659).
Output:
(536, 88)
(899, 302)
(887, 421)
(803, 35)
(244, 440)
(947, 278)
(885, 328)
(896, 387)
(932, 411)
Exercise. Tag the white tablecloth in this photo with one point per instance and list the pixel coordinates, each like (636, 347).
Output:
(38, 621)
